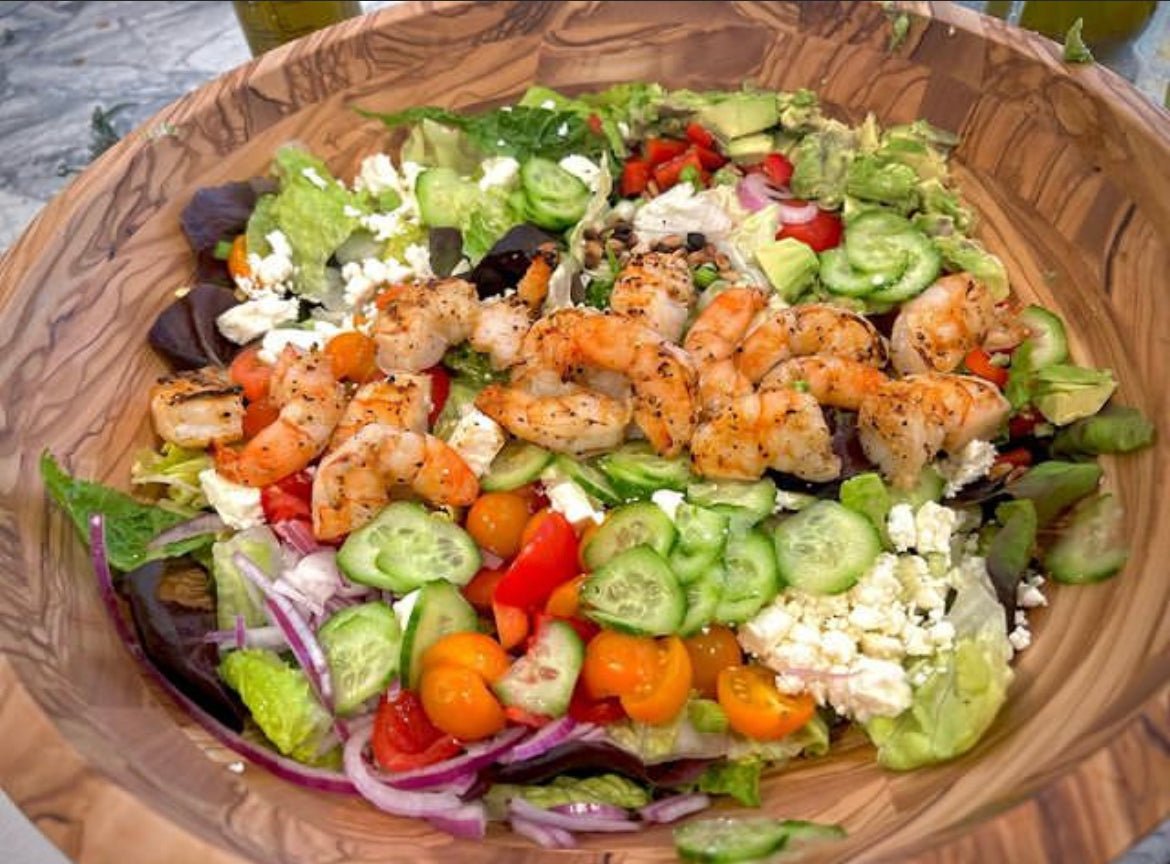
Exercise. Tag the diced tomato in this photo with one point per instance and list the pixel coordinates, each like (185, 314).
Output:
(978, 362)
(659, 150)
(1020, 457)
(237, 260)
(520, 717)
(440, 390)
(777, 168)
(544, 562)
(667, 174)
(585, 709)
(404, 738)
(259, 415)
(251, 373)
(481, 589)
(511, 625)
(288, 498)
(709, 159)
(823, 232)
(635, 177)
(1023, 424)
(594, 124)
(699, 136)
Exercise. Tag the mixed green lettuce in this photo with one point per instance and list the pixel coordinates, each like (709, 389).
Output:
(177, 470)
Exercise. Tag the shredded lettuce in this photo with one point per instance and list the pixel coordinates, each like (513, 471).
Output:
(234, 593)
(611, 789)
(177, 470)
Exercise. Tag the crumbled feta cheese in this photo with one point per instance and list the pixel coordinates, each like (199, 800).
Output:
(478, 439)
(383, 225)
(418, 257)
(876, 688)
(270, 273)
(362, 278)
(238, 506)
(548, 105)
(1020, 638)
(253, 318)
(900, 525)
(965, 467)
(310, 174)
(668, 501)
(274, 341)
(569, 499)
(1028, 593)
(563, 130)
(585, 170)
(500, 171)
(236, 767)
(351, 211)
(377, 175)
(934, 525)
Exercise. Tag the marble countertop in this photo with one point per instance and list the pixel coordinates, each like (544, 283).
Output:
(65, 66)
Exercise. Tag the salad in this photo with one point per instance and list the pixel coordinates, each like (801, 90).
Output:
(579, 461)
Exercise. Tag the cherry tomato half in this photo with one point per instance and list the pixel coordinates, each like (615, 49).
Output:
(616, 663)
(496, 522)
(251, 373)
(547, 559)
(711, 652)
(754, 706)
(403, 737)
(458, 701)
(661, 696)
(475, 651)
(823, 232)
(353, 357)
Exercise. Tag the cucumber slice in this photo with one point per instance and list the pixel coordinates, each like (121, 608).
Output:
(405, 546)
(825, 548)
(702, 596)
(924, 265)
(636, 593)
(542, 681)
(702, 534)
(637, 472)
(641, 524)
(554, 198)
(868, 495)
(840, 278)
(746, 502)
(871, 243)
(1048, 341)
(517, 464)
(362, 645)
(752, 578)
(586, 476)
(439, 610)
(930, 487)
(1091, 547)
(731, 839)
(444, 198)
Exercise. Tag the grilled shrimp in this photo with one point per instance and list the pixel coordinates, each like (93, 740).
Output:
(421, 321)
(571, 341)
(833, 381)
(935, 330)
(905, 422)
(712, 340)
(194, 409)
(814, 328)
(357, 479)
(311, 402)
(656, 289)
(782, 429)
(499, 330)
(403, 400)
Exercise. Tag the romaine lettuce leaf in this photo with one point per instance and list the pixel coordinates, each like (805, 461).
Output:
(177, 470)
(234, 593)
(282, 703)
(739, 779)
(611, 789)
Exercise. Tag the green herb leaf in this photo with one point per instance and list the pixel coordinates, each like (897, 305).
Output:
(1075, 49)
(472, 365)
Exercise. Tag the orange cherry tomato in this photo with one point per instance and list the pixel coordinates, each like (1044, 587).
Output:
(533, 524)
(475, 651)
(258, 415)
(712, 651)
(979, 363)
(497, 521)
(511, 625)
(354, 357)
(457, 700)
(664, 693)
(616, 663)
(565, 601)
(481, 590)
(251, 373)
(754, 706)
(237, 260)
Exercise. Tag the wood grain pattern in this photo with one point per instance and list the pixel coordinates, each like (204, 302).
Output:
(1066, 167)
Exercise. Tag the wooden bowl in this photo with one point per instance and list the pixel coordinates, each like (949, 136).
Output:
(1067, 167)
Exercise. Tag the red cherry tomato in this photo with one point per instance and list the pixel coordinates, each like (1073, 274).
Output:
(823, 232)
(979, 363)
(440, 390)
(288, 498)
(585, 709)
(251, 373)
(404, 738)
(545, 560)
(777, 168)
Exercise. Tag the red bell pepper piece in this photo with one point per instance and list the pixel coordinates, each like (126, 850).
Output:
(659, 150)
(635, 177)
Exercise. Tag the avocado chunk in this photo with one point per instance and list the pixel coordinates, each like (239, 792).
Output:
(964, 254)
(1115, 430)
(789, 265)
(740, 115)
(751, 148)
(1064, 393)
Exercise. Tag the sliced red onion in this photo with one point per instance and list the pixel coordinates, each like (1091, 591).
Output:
(675, 807)
(545, 738)
(287, 769)
(490, 559)
(520, 807)
(205, 523)
(300, 637)
(442, 808)
(476, 756)
(753, 192)
(241, 631)
(297, 534)
(544, 835)
(593, 809)
(791, 214)
(254, 637)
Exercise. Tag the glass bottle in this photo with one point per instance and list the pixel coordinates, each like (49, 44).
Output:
(269, 23)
